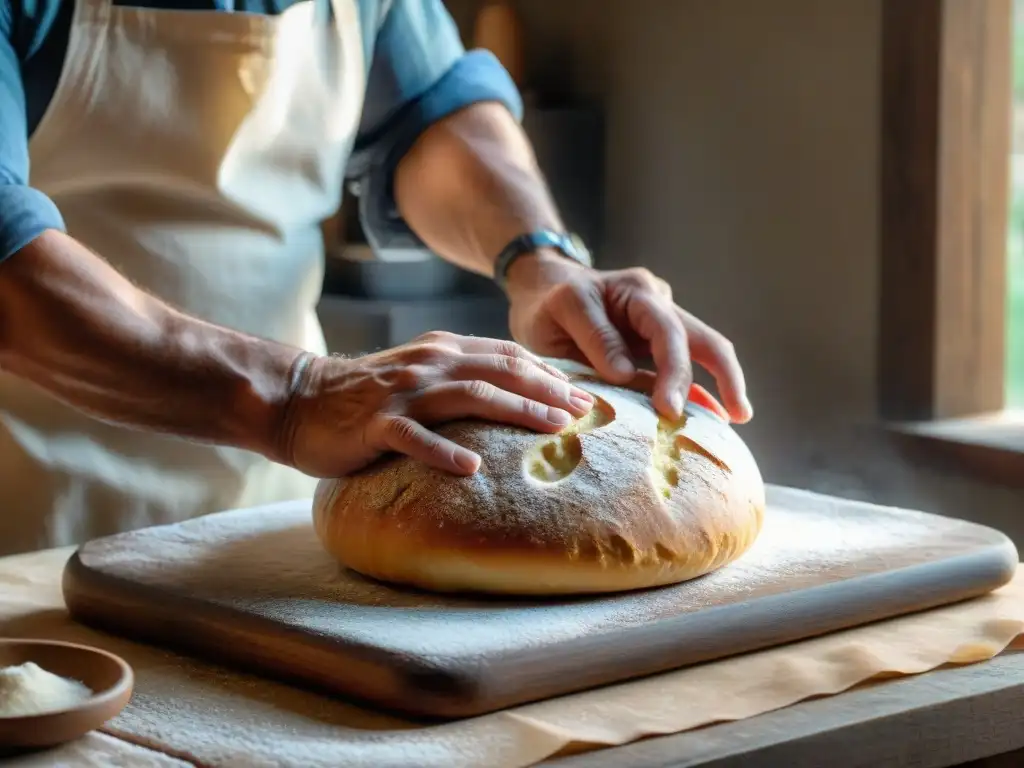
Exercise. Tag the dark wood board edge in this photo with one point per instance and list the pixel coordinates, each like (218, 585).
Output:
(761, 623)
(414, 687)
(933, 720)
(245, 642)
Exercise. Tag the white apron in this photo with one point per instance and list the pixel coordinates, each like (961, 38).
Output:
(198, 152)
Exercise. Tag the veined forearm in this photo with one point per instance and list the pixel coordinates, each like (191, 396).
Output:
(75, 327)
(471, 184)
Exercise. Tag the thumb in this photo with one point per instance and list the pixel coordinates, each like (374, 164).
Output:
(583, 316)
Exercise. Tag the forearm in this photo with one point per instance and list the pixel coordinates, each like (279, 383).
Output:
(471, 184)
(76, 328)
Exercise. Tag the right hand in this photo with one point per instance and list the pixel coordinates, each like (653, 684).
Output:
(350, 411)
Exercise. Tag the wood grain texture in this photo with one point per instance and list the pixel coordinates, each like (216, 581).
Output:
(990, 447)
(946, 96)
(254, 588)
(949, 717)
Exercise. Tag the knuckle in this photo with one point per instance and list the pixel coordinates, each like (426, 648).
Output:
(555, 389)
(508, 348)
(434, 337)
(641, 277)
(532, 408)
(411, 377)
(429, 353)
(603, 337)
(402, 430)
(479, 390)
(649, 303)
(723, 344)
(517, 367)
(430, 441)
(507, 366)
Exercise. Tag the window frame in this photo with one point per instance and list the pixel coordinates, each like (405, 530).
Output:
(946, 80)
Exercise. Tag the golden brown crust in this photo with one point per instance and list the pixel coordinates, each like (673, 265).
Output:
(618, 501)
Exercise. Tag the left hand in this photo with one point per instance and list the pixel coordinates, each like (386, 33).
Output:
(606, 319)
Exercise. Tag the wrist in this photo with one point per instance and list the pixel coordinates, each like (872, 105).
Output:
(238, 387)
(228, 388)
(539, 269)
(302, 382)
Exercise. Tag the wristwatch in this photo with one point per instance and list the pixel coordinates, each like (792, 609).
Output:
(569, 245)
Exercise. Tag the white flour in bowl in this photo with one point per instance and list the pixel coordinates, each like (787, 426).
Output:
(28, 689)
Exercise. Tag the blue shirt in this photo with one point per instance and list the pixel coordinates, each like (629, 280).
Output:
(419, 73)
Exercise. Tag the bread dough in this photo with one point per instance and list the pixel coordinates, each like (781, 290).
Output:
(619, 500)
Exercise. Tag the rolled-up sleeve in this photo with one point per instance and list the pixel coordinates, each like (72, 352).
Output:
(420, 73)
(25, 213)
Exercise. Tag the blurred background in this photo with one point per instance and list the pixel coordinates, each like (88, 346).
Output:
(733, 148)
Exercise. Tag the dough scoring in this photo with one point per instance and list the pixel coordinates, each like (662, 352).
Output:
(619, 500)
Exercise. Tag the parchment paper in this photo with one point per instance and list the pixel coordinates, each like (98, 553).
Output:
(219, 717)
(96, 750)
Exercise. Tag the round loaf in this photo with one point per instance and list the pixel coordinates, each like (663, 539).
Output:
(619, 500)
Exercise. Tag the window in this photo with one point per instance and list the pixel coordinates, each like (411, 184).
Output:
(951, 308)
(1015, 242)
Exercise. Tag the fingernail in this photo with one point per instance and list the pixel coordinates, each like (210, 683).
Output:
(466, 461)
(580, 404)
(748, 407)
(581, 394)
(559, 417)
(621, 365)
(676, 401)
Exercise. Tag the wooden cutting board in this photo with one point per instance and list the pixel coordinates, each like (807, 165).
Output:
(253, 588)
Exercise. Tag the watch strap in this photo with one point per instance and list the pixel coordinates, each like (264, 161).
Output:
(568, 245)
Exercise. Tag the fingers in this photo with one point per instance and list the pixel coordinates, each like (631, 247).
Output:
(441, 357)
(476, 345)
(457, 377)
(644, 381)
(482, 400)
(521, 377)
(717, 354)
(512, 351)
(407, 436)
(655, 320)
(582, 315)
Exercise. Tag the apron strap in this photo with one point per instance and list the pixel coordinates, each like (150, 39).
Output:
(323, 11)
(89, 13)
(325, 14)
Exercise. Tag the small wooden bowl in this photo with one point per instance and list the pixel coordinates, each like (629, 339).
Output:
(109, 677)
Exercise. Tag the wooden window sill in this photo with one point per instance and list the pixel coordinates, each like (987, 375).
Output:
(990, 447)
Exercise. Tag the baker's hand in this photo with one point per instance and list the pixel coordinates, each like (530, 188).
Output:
(347, 412)
(607, 319)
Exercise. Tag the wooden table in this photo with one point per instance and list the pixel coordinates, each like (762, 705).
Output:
(949, 717)
(968, 716)
(971, 716)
